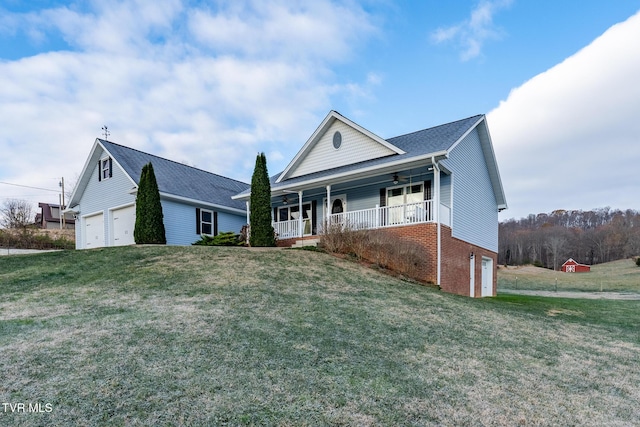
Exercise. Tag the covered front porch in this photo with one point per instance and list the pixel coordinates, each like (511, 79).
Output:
(362, 219)
(392, 199)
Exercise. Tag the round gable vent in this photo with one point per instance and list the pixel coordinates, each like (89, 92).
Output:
(337, 140)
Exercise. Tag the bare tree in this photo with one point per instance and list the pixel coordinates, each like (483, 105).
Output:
(556, 241)
(16, 213)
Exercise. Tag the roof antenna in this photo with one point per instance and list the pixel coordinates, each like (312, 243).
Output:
(105, 132)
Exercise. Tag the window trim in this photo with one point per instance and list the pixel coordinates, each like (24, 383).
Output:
(213, 223)
(105, 168)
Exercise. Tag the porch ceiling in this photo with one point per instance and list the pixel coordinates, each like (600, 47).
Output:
(340, 175)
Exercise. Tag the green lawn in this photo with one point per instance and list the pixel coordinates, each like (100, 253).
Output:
(227, 336)
(616, 276)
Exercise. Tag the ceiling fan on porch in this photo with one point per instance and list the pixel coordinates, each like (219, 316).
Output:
(399, 178)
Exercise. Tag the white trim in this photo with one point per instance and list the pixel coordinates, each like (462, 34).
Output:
(355, 174)
(464, 135)
(83, 228)
(201, 203)
(212, 222)
(328, 205)
(112, 237)
(490, 278)
(320, 130)
(472, 276)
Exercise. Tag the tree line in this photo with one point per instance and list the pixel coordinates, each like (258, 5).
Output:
(589, 237)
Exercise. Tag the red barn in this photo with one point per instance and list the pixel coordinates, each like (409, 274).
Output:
(570, 266)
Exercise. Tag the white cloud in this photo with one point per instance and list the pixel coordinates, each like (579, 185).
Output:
(471, 34)
(569, 137)
(209, 87)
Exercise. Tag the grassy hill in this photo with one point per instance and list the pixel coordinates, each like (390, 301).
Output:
(228, 336)
(616, 276)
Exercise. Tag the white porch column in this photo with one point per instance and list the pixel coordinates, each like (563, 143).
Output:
(300, 220)
(248, 212)
(436, 208)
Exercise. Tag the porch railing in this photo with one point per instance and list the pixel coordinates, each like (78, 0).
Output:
(387, 216)
(377, 217)
(290, 229)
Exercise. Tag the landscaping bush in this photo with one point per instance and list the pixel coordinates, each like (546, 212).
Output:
(402, 256)
(221, 239)
(30, 239)
(638, 261)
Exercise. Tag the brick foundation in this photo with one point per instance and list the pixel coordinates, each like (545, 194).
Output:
(455, 265)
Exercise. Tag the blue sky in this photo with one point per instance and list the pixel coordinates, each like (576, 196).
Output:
(213, 83)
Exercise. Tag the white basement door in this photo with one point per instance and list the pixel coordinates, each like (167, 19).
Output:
(124, 221)
(487, 277)
(94, 231)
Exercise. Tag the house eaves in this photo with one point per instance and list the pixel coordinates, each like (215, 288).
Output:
(320, 131)
(380, 166)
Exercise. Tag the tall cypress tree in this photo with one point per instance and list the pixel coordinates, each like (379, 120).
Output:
(149, 226)
(261, 233)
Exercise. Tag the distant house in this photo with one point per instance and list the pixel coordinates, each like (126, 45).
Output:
(571, 266)
(194, 202)
(439, 187)
(49, 217)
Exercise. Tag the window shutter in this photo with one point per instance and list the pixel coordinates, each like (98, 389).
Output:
(383, 197)
(215, 223)
(427, 190)
(275, 215)
(314, 219)
(110, 168)
(198, 221)
(99, 170)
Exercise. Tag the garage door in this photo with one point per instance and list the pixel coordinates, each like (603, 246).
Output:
(124, 221)
(94, 231)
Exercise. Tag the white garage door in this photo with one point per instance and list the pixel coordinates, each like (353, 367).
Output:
(124, 221)
(94, 231)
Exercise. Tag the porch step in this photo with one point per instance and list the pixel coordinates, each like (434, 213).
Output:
(306, 242)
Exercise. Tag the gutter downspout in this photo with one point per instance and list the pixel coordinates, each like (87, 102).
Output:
(436, 180)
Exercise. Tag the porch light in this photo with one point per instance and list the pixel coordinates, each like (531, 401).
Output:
(285, 200)
(395, 178)
(471, 255)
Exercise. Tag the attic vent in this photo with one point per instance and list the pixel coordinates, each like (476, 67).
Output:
(337, 140)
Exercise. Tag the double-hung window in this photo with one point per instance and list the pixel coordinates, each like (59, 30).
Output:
(105, 168)
(206, 222)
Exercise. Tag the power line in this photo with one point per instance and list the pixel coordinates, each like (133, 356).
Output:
(28, 186)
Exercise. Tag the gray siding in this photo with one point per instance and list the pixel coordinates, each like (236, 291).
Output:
(474, 207)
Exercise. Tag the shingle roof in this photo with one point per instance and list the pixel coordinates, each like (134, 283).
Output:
(179, 179)
(427, 141)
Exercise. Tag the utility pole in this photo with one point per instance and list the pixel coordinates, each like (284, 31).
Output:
(62, 220)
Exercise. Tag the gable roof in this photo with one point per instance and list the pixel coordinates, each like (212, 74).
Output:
(384, 147)
(420, 146)
(572, 261)
(174, 179)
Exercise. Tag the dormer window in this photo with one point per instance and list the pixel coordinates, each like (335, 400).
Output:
(105, 168)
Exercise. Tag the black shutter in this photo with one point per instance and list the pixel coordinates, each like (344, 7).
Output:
(198, 221)
(314, 225)
(427, 190)
(110, 168)
(215, 223)
(427, 196)
(383, 203)
(275, 214)
(99, 170)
